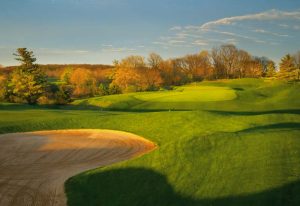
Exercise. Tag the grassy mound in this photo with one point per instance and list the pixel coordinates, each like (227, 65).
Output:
(183, 97)
(243, 148)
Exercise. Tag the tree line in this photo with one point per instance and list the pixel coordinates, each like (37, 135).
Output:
(31, 83)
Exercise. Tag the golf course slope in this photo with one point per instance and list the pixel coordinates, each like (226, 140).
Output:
(221, 143)
(35, 165)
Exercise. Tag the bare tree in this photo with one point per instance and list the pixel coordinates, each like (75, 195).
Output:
(154, 61)
(225, 60)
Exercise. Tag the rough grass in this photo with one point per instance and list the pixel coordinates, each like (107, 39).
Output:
(241, 151)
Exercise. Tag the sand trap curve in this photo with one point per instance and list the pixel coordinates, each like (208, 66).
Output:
(35, 165)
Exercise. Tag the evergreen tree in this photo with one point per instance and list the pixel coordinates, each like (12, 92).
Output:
(27, 82)
(297, 64)
(271, 69)
(287, 68)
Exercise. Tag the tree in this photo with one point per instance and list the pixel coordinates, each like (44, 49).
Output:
(253, 68)
(27, 82)
(154, 61)
(2, 87)
(297, 64)
(271, 69)
(66, 75)
(172, 72)
(64, 94)
(103, 89)
(243, 60)
(198, 66)
(83, 83)
(263, 61)
(287, 69)
(225, 60)
(152, 79)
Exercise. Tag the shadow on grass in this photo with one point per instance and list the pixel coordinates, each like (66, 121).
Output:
(19, 107)
(144, 187)
(285, 125)
(249, 113)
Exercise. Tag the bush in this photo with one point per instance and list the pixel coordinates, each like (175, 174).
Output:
(114, 89)
(63, 95)
(103, 89)
(45, 100)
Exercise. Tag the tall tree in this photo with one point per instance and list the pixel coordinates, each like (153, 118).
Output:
(27, 83)
(288, 69)
(225, 59)
(297, 64)
(271, 69)
(2, 86)
(83, 82)
(154, 61)
(243, 63)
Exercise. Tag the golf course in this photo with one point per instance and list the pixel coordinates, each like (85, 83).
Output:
(222, 142)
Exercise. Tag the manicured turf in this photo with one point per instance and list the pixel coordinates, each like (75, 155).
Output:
(184, 97)
(236, 143)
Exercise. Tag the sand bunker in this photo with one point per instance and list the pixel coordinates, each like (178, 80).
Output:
(35, 165)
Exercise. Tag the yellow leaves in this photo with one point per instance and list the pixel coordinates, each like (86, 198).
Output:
(83, 81)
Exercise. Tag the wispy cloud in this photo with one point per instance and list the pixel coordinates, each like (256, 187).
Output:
(263, 16)
(61, 51)
(111, 48)
(200, 43)
(235, 29)
(175, 28)
(269, 32)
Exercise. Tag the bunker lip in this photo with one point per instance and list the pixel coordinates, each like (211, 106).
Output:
(35, 165)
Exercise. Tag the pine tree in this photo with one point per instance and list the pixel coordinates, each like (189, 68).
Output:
(271, 69)
(287, 68)
(27, 82)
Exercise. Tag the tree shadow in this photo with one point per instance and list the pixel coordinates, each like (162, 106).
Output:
(250, 113)
(145, 187)
(22, 107)
(284, 125)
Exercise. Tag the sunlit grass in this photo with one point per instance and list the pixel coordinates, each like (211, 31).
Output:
(244, 150)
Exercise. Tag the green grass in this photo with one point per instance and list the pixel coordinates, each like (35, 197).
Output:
(233, 142)
(184, 97)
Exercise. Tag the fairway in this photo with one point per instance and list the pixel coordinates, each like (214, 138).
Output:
(179, 98)
(228, 142)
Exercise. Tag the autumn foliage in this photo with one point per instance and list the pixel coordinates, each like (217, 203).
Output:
(27, 83)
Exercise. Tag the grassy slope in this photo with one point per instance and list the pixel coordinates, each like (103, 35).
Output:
(244, 151)
(184, 97)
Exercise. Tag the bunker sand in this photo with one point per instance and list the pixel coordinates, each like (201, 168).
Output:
(35, 165)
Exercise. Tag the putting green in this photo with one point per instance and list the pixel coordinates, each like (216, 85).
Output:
(190, 94)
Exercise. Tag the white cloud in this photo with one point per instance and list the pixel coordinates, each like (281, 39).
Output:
(296, 27)
(107, 45)
(200, 43)
(263, 16)
(235, 29)
(175, 28)
(284, 25)
(269, 32)
(61, 51)
(173, 41)
(118, 49)
(111, 48)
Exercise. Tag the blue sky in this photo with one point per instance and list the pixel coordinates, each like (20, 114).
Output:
(99, 31)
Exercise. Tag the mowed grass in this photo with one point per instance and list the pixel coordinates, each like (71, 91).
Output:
(179, 98)
(242, 148)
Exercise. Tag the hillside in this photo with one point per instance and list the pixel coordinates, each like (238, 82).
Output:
(229, 142)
